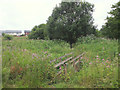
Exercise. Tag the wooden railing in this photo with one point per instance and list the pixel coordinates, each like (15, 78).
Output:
(71, 60)
(61, 57)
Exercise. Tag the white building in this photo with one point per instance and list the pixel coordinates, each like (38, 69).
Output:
(13, 32)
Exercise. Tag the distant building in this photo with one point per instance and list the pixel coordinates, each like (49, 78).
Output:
(27, 32)
(16, 32)
(13, 32)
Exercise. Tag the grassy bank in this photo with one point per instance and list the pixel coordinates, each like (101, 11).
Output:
(26, 63)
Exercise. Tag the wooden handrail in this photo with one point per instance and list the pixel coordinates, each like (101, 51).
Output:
(76, 58)
(61, 57)
(62, 62)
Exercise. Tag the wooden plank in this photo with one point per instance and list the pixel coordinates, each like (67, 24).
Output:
(59, 72)
(61, 57)
(76, 58)
(65, 69)
(62, 62)
(65, 55)
(76, 62)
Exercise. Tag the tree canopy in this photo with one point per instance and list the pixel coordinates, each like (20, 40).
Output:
(112, 26)
(38, 32)
(71, 20)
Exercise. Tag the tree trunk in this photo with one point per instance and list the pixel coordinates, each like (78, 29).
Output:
(71, 45)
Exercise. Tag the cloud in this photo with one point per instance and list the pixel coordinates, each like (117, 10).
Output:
(25, 14)
(102, 7)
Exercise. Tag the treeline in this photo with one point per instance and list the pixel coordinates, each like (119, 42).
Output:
(38, 32)
(111, 29)
(72, 20)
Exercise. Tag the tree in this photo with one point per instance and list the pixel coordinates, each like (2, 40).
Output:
(3, 34)
(37, 32)
(98, 33)
(8, 37)
(71, 20)
(110, 29)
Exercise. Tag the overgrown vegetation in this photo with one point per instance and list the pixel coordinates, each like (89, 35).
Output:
(67, 23)
(38, 32)
(26, 63)
(111, 27)
(7, 37)
(71, 20)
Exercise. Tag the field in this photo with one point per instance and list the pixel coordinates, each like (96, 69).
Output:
(26, 63)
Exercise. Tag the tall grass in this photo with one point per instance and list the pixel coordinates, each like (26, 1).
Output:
(26, 63)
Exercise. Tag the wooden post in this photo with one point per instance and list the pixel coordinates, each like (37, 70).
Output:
(74, 65)
(60, 60)
(79, 64)
(79, 61)
(65, 69)
(60, 65)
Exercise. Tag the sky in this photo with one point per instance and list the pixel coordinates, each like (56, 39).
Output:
(25, 14)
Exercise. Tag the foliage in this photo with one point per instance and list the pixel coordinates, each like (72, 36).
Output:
(70, 20)
(99, 70)
(3, 34)
(8, 37)
(87, 39)
(110, 29)
(98, 33)
(38, 32)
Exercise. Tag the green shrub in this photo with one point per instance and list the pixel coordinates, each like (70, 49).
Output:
(3, 34)
(87, 39)
(34, 57)
(8, 37)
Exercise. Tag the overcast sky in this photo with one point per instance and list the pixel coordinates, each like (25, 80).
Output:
(25, 14)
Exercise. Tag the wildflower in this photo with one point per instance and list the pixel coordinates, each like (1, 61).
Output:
(48, 55)
(45, 52)
(103, 48)
(108, 66)
(97, 56)
(81, 58)
(34, 55)
(107, 61)
(60, 68)
(90, 63)
(102, 59)
(119, 54)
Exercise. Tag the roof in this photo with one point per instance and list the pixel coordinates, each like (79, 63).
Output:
(13, 31)
(27, 31)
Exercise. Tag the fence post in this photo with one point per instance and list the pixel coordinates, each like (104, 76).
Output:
(79, 61)
(65, 69)
(60, 60)
(79, 64)
(74, 65)
(60, 65)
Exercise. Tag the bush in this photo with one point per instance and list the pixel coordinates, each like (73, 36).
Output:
(3, 34)
(87, 39)
(8, 37)
(38, 32)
